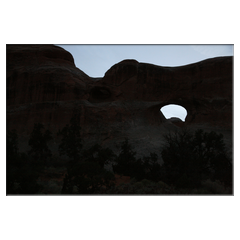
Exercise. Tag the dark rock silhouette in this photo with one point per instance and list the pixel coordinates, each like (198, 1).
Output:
(44, 85)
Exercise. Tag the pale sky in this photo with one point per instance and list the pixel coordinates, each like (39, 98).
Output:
(173, 110)
(95, 60)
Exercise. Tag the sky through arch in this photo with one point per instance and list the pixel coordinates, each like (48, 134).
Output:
(173, 110)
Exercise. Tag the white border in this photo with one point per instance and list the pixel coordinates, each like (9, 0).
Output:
(91, 22)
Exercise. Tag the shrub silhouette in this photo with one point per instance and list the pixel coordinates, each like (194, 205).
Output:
(12, 160)
(100, 155)
(12, 145)
(22, 172)
(190, 161)
(27, 175)
(127, 164)
(38, 141)
(88, 174)
(153, 170)
(191, 157)
(87, 177)
(71, 143)
(85, 170)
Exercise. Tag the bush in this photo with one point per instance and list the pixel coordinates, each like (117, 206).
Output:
(153, 170)
(87, 175)
(38, 141)
(215, 187)
(127, 164)
(71, 143)
(190, 158)
(98, 154)
(22, 171)
(142, 187)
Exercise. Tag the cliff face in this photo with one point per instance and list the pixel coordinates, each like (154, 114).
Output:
(41, 73)
(44, 85)
(40, 78)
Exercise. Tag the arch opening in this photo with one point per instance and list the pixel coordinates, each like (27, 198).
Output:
(174, 111)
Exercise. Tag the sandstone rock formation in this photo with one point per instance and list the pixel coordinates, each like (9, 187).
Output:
(44, 85)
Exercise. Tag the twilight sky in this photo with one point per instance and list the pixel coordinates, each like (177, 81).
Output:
(95, 60)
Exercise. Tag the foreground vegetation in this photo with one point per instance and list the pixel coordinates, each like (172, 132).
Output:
(193, 163)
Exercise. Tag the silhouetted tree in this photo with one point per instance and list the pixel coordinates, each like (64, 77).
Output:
(85, 173)
(71, 139)
(127, 164)
(153, 170)
(12, 160)
(12, 145)
(87, 177)
(190, 157)
(27, 176)
(126, 160)
(38, 142)
(98, 154)
(211, 148)
(22, 174)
